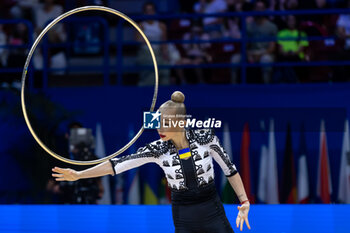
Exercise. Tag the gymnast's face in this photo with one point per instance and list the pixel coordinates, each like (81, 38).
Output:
(169, 125)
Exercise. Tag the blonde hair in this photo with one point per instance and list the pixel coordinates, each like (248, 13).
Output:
(176, 102)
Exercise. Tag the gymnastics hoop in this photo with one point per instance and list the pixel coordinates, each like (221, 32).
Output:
(25, 69)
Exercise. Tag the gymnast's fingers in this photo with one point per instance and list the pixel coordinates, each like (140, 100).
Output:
(54, 169)
(241, 223)
(247, 222)
(57, 175)
(60, 179)
(58, 169)
(237, 221)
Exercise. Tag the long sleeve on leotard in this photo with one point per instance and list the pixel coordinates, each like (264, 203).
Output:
(222, 158)
(142, 156)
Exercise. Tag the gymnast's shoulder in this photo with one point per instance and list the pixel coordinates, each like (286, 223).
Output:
(201, 136)
(157, 148)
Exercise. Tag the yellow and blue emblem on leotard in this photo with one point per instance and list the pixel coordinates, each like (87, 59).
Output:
(184, 153)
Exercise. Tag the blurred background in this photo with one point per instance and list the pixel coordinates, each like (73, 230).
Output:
(276, 72)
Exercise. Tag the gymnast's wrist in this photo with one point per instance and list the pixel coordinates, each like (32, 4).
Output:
(79, 175)
(245, 202)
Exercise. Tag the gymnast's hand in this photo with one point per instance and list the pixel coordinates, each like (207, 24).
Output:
(65, 174)
(242, 216)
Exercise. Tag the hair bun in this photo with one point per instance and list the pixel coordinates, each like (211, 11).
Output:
(178, 97)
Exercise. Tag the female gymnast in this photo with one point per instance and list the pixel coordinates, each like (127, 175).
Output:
(186, 157)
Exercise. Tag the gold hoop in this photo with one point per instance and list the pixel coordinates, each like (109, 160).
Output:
(24, 74)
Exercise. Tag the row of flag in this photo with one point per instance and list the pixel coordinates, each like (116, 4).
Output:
(295, 187)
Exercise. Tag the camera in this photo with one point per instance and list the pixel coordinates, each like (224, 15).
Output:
(81, 147)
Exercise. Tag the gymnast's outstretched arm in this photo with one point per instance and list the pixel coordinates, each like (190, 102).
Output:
(112, 167)
(67, 174)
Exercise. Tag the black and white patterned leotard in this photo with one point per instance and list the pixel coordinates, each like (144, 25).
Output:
(204, 146)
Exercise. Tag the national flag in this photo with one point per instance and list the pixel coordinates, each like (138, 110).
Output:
(164, 192)
(132, 181)
(324, 184)
(150, 195)
(288, 189)
(101, 152)
(344, 175)
(303, 173)
(263, 166)
(227, 193)
(119, 190)
(245, 163)
(151, 176)
(272, 174)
